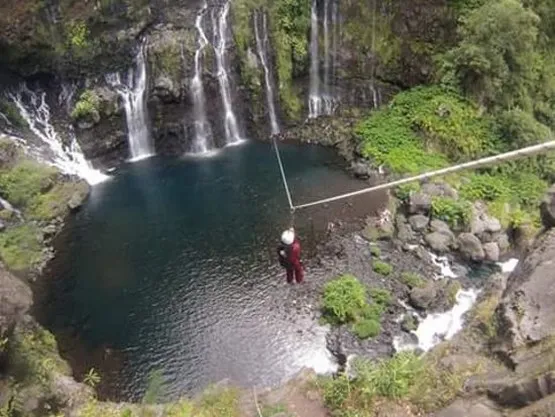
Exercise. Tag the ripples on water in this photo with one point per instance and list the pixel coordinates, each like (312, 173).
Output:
(170, 266)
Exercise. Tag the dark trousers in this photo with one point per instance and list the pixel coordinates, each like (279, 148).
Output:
(297, 272)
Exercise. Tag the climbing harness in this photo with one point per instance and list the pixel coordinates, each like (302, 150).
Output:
(528, 151)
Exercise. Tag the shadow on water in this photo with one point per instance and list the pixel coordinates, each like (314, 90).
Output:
(170, 266)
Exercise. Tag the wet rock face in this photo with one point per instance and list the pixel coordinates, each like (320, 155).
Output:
(527, 311)
(547, 208)
(15, 300)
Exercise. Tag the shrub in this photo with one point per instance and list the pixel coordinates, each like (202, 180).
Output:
(367, 328)
(382, 268)
(457, 213)
(344, 298)
(412, 280)
(87, 106)
(381, 296)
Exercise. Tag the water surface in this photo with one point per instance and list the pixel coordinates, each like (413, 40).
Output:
(170, 266)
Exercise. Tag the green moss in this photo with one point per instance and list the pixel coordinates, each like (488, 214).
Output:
(412, 280)
(10, 110)
(21, 184)
(380, 296)
(88, 106)
(20, 247)
(382, 268)
(375, 251)
(167, 60)
(220, 403)
(6, 215)
(453, 289)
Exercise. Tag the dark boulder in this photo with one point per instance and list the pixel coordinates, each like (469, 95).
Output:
(471, 247)
(547, 208)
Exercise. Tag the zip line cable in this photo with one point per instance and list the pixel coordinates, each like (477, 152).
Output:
(528, 151)
(291, 207)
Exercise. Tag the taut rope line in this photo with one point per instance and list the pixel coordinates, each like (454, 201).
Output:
(528, 151)
(291, 207)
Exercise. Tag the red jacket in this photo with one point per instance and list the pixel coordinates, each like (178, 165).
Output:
(295, 253)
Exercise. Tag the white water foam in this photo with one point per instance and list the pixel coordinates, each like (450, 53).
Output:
(508, 266)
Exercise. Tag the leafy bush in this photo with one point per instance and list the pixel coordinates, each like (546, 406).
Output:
(382, 268)
(412, 280)
(457, 213)
(367, 328)
(344, 298)
(87, 106)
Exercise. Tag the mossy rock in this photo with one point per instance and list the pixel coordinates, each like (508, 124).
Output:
(409, 323)
(21, 247)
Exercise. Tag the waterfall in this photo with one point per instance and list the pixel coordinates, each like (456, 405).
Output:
(132, 90)
(203, 141)
(221, 29)
(321, 98)
(314, 100)
(375, 96)
(262, 48)
(33, 108)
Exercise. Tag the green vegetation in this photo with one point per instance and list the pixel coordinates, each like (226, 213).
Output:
(10, 110)
(20, 247)
(272, 410)
(289, 23)
(87, 106)
(456, 213)
(155, 387)
(412, 280)
(375, 251)
(167, 60)
(35, 355)
(382, 268)
(344, 298)
(346, 301)
(423, 382)
(25, 181)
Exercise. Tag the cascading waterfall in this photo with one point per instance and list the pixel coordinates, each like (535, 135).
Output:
(33, 108)
(314, 99)
(132, 91)
(221, 30)
(375, 96)
(262, 48)
(321, 97)
(203, 133)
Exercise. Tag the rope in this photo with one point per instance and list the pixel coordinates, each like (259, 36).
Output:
(284, 179)
(528, 151)
(256, 403)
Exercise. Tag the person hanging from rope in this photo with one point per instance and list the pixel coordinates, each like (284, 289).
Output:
(289, 254)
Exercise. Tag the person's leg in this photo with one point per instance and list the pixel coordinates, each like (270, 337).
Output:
(290, 272)
(299, 273)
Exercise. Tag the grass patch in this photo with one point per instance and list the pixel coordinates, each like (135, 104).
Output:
(382, 268)
(367, 328)
(27, 179)
(273, 409)
(219, 403)
(20, 247)
(54, 203)
(412, 280)
(422, 381)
